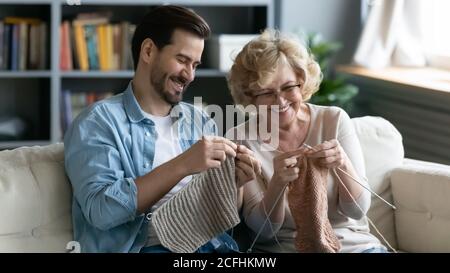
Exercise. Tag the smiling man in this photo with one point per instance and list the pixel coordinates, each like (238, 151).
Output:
(127, 155)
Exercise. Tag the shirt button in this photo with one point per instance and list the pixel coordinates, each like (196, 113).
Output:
(148, 216)
(146, 165)
(147, 134)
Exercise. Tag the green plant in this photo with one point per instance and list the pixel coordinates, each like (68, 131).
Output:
(333, 90)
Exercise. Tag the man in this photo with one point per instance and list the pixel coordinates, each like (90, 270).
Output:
(127, 155)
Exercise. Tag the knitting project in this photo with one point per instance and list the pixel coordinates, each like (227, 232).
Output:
(200, 211)
(308, 203)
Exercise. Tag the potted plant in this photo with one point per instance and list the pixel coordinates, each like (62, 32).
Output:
(333, 90)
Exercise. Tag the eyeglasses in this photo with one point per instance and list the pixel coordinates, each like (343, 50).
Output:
(271, 94)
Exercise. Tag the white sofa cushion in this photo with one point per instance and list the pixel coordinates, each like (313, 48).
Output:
(383, 151)
(35, 200)
(421, 193)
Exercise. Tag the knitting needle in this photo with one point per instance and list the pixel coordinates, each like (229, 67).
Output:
(371, 191)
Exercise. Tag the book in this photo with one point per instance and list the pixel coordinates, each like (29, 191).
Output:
(131, 30)
(101, 47)
(125, 47)
(74, 102)
(2, 44)
(6, 46)
(20, 20)
(65, 47)
(93, 18)
(91, 21)
(15, 47)
(116, 47)
(24, 43)
(126, 60)
(82, 55)
(109, 47)
(43, 45)
(88, 51)
(73, 49)
(23, 46)
(33, 47)
(91, 44)
(66, 110)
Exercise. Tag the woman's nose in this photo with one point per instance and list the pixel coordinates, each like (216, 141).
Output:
(280, 99)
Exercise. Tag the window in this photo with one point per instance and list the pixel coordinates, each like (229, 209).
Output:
(437, 38)
(419, 28)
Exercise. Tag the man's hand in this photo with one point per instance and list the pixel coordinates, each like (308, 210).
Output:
(209, 152)
(247, 166)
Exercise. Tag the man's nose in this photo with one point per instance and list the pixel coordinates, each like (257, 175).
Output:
(189, 73)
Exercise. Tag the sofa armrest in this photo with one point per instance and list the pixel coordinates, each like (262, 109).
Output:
(421, 192)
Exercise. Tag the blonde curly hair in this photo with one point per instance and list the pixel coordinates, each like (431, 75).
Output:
(258, 60)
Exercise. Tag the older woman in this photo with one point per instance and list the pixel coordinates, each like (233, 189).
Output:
(276, 71)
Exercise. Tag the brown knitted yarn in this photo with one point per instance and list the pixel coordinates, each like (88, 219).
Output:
(308, 203)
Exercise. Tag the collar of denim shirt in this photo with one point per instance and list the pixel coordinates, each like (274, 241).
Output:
(135, 112)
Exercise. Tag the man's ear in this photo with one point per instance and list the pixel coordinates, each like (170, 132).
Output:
(147, 50)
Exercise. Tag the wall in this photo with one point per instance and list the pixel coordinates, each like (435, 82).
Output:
(421, 116)
(337, 20)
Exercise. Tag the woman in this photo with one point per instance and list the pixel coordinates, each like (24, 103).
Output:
(278, 72)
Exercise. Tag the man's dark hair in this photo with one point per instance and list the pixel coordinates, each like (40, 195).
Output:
(160, 23)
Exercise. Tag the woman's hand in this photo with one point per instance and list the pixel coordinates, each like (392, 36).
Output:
(247, 166)
(329, 154)
(285, 167)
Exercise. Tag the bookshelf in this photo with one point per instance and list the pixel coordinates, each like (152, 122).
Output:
(35, 95)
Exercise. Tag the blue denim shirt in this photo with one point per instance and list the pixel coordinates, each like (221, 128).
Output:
(107, 147)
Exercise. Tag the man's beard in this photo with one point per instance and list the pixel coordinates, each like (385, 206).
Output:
(158, 81)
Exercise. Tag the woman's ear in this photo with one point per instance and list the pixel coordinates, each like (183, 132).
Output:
(147, 50)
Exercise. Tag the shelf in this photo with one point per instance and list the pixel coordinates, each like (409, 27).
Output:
(28, 2)
(97, 74)
(42, 88)
(175, 2)
(129, 74)
(25, 74)
(423, 78)
(20, 143)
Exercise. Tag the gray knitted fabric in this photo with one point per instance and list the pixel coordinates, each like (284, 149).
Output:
(206, 207)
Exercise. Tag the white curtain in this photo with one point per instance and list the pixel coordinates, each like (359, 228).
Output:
(393, 35)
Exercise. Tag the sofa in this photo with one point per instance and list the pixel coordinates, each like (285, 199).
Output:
(35, 195)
